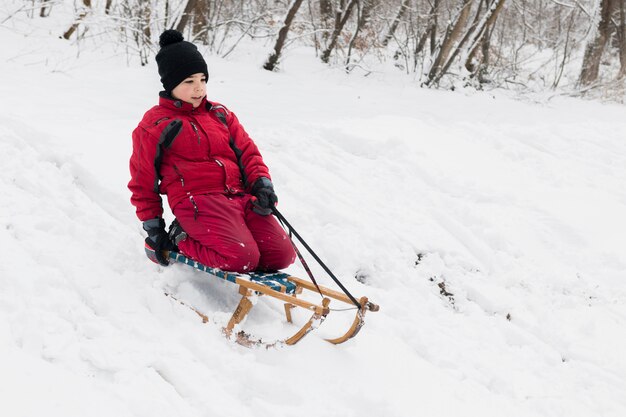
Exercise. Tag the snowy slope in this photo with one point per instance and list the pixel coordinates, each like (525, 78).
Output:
(490, 231)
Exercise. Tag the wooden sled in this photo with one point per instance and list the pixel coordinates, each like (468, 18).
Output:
(284, 288)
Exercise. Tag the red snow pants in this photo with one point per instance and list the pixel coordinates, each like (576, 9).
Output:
(224, 232)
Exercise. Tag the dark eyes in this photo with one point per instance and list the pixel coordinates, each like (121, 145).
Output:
(191, 81)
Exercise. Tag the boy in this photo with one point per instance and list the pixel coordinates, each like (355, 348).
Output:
(197, 153)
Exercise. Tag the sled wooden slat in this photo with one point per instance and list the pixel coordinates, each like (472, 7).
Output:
(331, 293)
(285, 288)
(288, 308)
(356, 324)
(282, 296)
(242, 310)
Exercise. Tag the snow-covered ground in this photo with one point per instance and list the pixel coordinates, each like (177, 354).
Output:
(492, 232)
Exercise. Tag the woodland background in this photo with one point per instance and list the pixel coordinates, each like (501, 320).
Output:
(574, 47)
(488, 225)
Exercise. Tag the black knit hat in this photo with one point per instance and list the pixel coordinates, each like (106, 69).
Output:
(178, 59)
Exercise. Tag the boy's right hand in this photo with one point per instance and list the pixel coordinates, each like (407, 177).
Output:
(158, 240)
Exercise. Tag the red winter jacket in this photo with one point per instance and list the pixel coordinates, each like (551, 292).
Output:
(206, 157)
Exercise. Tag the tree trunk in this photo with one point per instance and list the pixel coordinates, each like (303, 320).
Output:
(81, 15)
(201, 21)
(272, 60)
(622, 39)
(145, 21)
(486, 21)
(394, 25)
(42, 12)
(364, 11)
(481, 39)
(187, 13)
(326, 12)
(453, 33)
(142, 36)
(434, 25)
(340, 22)
(593, 52)
(430, 32)
(566, 51)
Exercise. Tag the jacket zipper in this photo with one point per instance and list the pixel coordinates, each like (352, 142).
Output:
(182, 180)
(189, 195)
(162, 119)
(227, 188)
(195, 129)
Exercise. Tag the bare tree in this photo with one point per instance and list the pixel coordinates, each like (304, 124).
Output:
(507, 43)
(45, 11)
(135, 19)
(621, 36)
(593, 52)
(364, 11)
(272, 60)
(200, 27)
(566, 50)
(187, 15)
(460, 35)
(480, 40)
(429, 34)
(394, 25)
(326, 12)
(341, 18)
(453, 33)
(82, 13)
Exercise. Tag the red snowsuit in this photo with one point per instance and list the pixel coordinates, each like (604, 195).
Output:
(205, 173)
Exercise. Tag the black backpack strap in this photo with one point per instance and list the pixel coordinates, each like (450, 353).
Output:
(166, 139)
(231, 141)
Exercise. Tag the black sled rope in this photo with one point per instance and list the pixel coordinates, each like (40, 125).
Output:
(284, 221)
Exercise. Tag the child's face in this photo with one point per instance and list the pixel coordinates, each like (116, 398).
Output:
(192, 89)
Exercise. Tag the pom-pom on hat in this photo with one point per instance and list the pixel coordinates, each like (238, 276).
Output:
(178, 59)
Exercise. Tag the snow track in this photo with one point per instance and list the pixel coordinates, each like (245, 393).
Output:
(490, 231)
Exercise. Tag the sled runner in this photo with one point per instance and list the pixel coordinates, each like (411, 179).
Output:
(285, 288)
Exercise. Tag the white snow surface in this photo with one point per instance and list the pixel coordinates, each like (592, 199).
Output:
(515, 209)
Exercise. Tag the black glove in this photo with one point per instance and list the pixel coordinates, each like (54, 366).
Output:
(157, 240)
(266, 198)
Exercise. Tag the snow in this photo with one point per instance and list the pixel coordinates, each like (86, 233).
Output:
(491, 232)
